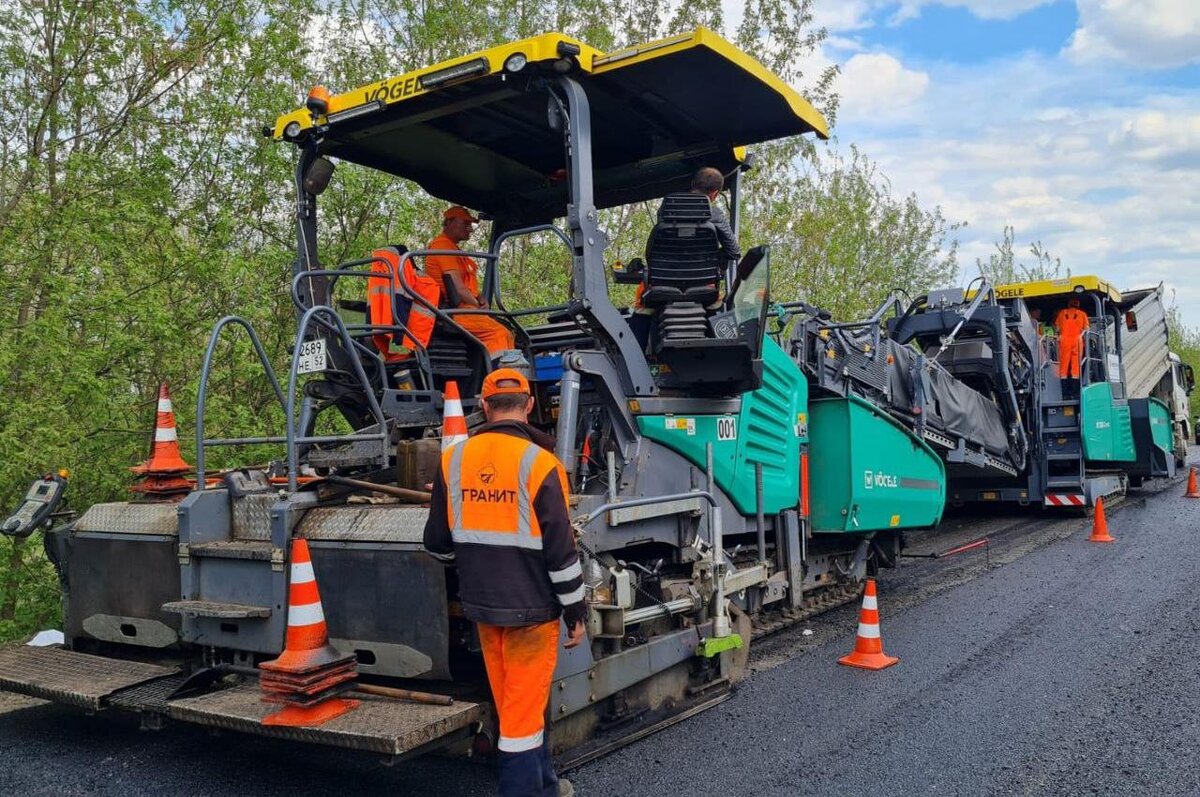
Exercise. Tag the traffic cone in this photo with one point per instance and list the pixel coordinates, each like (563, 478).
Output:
(1193, 491)
(868, 647)
(454, 423)
(1100, 524)
(160, 471)
(310, 672)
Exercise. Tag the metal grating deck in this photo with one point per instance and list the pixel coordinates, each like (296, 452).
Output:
(388, 727)
(75, 679)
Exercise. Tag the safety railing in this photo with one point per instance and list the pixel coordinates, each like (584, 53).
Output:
(293, 436)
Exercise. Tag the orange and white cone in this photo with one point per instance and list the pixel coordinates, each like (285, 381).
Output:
(1193, 490)
(309, 667)
(306, 647)
(454, 423)
(1100, 524)
(161, 470)
(165, 456)
(868, 647)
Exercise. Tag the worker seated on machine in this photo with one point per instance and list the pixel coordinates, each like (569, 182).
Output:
(706, 182)
(460, 275)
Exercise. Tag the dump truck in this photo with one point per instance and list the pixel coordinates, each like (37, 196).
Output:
(1152, 370)
(712, 499)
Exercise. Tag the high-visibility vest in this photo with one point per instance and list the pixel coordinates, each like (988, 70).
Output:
(390, 302)
(490, 502)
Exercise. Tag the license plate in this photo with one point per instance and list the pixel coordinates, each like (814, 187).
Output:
(311, 357)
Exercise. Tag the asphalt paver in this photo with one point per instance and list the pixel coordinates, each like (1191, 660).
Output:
(1041, 663)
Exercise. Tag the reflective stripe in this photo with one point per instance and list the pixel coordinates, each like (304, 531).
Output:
(870, 602)
(306, 614)
(165, 434)
(379, 290)
(868, 631)
(164, 405)
(452, 407)
(302, 572)
(574, 596)
(421, 309)
(519, 744)
(454, 487)
(567, 573)
(524, 499)
(499, 539)
(441, 557)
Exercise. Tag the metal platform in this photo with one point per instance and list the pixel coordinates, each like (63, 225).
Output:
(75, 679)
(388, 727)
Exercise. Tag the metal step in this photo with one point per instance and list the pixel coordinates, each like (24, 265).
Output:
(1073, 482)
(257, 550)
(1062, 456)
(221, 611)
(76, 679)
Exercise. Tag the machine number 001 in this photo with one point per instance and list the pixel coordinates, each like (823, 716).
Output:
(311, 357)
(726, 428)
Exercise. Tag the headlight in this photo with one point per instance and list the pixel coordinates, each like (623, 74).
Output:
(515, 62)
(292, 130)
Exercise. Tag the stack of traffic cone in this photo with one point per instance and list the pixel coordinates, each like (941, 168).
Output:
(1193, 491)
(454, 423)
(1100, 524)
(868, 647)
(310, 673)
(159, 475)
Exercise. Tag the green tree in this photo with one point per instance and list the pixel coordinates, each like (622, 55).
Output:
(1002, 267)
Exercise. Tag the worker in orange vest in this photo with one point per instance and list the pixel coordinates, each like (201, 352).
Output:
(499, 512)
(463, 272)
(1071, 323)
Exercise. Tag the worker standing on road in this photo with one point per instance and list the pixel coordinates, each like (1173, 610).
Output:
(463, 273)
(1071, 323)
(499, 512)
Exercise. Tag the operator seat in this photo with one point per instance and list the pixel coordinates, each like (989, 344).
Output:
(705, 351)
(683, 253)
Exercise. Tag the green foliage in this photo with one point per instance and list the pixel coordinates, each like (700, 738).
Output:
(1002, 267)
(1184, 341)
(139, 204)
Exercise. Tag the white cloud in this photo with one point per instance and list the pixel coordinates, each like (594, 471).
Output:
(1105, 174)
(1151, 33)
(875, 85)
(984, 9)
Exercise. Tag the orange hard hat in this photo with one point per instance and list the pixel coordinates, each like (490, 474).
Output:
(458, 212)
(504, 380)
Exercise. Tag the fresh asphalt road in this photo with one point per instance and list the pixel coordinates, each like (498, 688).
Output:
(1045, 664)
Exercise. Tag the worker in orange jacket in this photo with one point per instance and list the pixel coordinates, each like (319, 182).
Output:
(499, 512)
(463, 272)
(1071, 323)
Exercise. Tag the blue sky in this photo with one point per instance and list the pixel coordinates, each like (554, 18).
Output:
(1075, 121)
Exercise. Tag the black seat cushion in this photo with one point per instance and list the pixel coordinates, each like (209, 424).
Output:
(683, 253)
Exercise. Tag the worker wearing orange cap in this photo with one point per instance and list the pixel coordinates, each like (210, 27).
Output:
(499, 512)
(1071, 323)
(463, 273)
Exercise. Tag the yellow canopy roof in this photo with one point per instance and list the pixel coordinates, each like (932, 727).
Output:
(469, 131)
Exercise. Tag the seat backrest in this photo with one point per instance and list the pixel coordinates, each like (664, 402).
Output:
(394, 304)
(683, 250)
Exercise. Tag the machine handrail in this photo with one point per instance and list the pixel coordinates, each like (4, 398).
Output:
(202, 394)
(293, 436)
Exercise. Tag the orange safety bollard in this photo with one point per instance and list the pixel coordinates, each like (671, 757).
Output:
(868, 647)
(1100, 524)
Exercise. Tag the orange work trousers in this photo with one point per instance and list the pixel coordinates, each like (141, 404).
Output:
(491, 332)
(520, 666)
(1069, 349)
